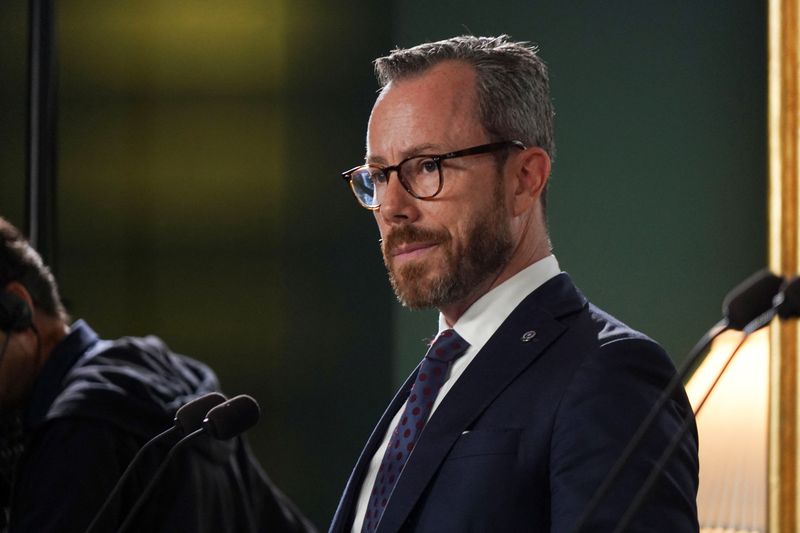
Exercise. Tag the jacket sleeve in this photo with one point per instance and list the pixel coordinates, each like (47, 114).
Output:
(65, 475)
(603, 406)
(73, 463)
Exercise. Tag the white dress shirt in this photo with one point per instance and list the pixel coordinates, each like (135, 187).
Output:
(475, 326)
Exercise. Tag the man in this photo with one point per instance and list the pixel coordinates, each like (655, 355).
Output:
(75, 409)
(525, 423)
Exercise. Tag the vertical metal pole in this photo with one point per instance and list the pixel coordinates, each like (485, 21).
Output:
(40, 205)
(784, 245)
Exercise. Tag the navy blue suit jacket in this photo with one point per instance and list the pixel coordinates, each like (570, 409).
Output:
(525, 436)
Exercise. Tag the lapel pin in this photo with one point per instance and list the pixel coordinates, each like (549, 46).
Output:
(528, 336)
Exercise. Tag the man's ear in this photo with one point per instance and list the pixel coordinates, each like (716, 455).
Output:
(17, 308)
(531, 170)
(18, 289)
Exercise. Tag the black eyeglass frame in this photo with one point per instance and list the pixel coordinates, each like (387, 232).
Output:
(436, 158)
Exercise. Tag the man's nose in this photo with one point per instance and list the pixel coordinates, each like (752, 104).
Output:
(397, 204)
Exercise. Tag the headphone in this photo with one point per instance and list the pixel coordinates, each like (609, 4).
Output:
(15, 313)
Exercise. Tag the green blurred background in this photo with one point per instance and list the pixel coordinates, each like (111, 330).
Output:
(199, 149)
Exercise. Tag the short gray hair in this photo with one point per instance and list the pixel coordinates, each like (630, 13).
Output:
(512, 86)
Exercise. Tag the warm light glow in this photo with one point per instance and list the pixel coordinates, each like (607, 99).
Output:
(733, 435)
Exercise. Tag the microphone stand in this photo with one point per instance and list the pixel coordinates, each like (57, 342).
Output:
(658, 469)
(130, 468)
(677, 380)
(156, 476)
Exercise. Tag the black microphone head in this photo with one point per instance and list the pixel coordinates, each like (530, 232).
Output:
(788, 300)
(233, 417)
(750, 298)
(191, 415)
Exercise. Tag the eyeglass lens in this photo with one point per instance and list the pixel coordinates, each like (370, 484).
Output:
(420, 175)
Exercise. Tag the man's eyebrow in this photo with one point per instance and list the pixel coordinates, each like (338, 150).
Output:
(419, 149)
(375, 160)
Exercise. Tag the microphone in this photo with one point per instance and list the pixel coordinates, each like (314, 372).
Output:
(743, 304)
(233, 417)
(225, 421)
(750, 298)
(187, 419)
(190, 417)
(785, 304)
(787, 301)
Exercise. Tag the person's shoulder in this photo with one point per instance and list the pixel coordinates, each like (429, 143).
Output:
(131, 347)
(618, 352)
(148, 355)
(611, 330)
(136, 383)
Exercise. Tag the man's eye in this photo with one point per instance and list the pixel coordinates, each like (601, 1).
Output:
(428, 165)
(378, 176)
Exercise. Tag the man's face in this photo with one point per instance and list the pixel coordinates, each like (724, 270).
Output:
(448, 249)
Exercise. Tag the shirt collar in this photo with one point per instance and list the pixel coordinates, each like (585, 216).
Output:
(486, 315)
(63, 357)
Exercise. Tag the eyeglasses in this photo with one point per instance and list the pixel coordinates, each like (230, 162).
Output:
(420, 175)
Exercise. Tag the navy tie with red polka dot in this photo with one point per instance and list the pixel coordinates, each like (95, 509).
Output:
(447, 347)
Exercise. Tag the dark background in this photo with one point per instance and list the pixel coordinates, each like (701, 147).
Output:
(199, 198)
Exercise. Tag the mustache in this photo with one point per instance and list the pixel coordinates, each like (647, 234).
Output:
(409, 234)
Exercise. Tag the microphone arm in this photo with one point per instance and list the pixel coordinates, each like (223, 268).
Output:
(126, 474)
(741, 306)
(677, 380)
(156, 476)
(223, 422)
(666, 455)
(786, 305)
(187, 418)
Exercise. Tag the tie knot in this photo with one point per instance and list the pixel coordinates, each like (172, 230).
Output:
(448, 346)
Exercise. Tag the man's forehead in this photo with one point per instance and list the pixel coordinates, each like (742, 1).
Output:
(423, 114)
(426, 148)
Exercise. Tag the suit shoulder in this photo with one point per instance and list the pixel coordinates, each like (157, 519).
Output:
(610, 329)
(602, 345)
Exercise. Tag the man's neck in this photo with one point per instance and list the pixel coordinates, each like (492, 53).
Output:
(519, 262)
(51, 332)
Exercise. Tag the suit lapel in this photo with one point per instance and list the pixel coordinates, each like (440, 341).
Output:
(504, 356)
(342, 519)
